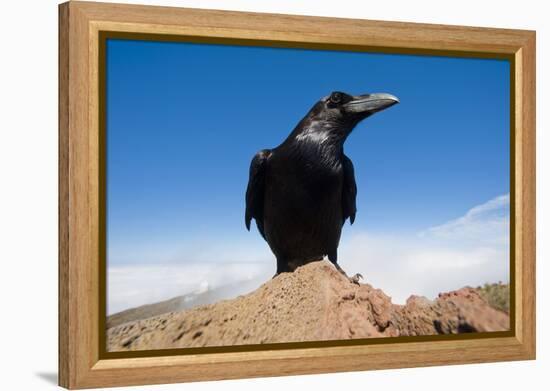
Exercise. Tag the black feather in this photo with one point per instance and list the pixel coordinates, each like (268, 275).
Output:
(349, 191)
(255, 191)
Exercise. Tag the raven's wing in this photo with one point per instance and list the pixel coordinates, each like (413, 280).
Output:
(349, 192)
(255, 190)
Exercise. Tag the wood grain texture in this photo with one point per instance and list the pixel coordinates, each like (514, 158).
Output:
(64, 354)
(527, 285)
(80, 365)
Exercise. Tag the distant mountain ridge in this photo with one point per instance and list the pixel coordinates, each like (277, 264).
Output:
(183, 302)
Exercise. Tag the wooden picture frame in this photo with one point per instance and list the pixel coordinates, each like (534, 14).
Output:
(82, 364)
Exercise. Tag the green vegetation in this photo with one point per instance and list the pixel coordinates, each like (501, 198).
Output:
(497, 295)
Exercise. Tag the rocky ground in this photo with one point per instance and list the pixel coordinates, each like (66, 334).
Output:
(314, 303)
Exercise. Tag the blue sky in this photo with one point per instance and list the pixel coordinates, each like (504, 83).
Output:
(184, 120)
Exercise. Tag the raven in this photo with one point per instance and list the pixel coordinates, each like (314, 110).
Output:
(301, 192)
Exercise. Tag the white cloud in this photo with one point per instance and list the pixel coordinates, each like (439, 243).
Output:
(470, 250)
(487, 223)
(131, 286)
(194, 267)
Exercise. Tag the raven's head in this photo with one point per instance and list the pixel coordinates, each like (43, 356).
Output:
(334, 116)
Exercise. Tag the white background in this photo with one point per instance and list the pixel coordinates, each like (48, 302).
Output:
(28, 197)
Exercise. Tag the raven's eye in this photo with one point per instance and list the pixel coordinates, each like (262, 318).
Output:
(336, 97)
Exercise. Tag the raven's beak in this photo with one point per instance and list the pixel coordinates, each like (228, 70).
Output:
(370, 103)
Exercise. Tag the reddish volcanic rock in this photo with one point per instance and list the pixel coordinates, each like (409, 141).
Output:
(314, 303)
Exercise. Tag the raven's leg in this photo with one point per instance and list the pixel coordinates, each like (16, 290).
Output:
(282, 266)
(333, 256)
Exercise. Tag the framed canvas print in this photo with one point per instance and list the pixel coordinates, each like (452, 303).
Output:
(249, 195)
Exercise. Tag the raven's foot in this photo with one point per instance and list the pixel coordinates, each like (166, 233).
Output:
(355, 279)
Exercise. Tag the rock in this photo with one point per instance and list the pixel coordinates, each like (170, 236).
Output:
(314, 303)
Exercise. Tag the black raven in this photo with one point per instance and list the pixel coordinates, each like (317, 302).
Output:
(301, 192)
